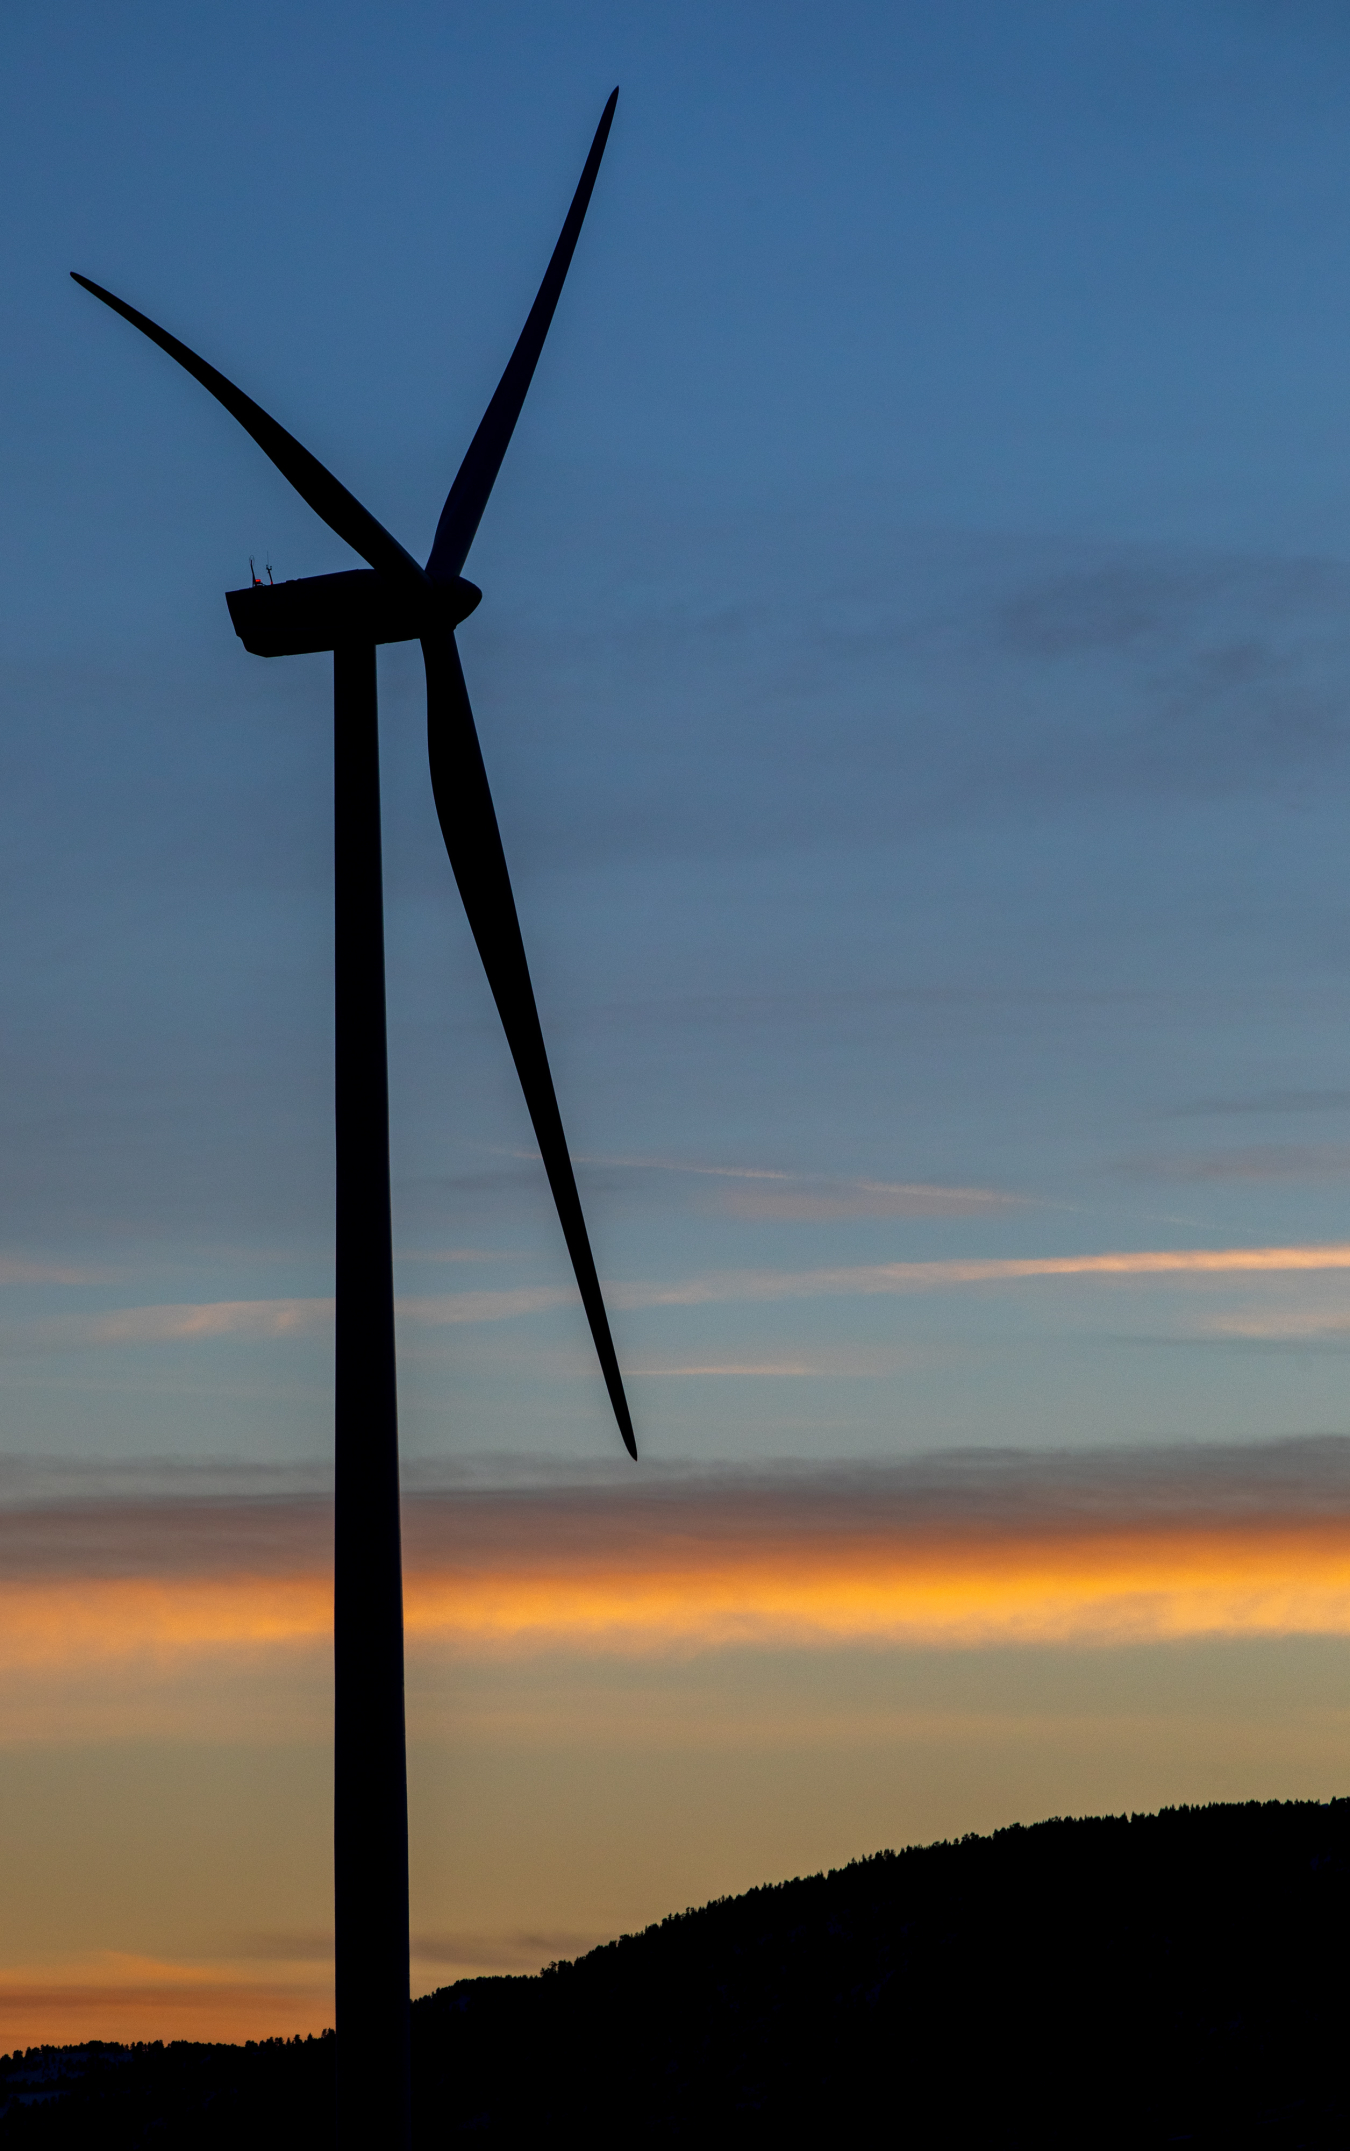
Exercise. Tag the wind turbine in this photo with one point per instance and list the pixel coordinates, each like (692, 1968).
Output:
(392, 599)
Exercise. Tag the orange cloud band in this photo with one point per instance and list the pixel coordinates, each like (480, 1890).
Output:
(1100, 1586)
(1144, 1582)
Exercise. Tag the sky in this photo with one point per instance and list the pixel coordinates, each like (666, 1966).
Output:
(911, 676)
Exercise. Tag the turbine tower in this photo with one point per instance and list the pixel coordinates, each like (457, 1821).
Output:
(392, 599)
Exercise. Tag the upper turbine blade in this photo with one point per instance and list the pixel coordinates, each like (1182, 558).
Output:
(330, 500)
(477, 474)
(469, 825)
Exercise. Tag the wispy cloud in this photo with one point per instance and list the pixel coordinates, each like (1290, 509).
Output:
(770, 1193)
(870, 1279)
(841, 1362)
(1118, 604)
(1249, 1161)
(674, 1165)
(515, 1950)
(1290, 1324)
(1265, 1101)
(435, 1310)
(255, 1319)
(212, 1318)
(822, 1201)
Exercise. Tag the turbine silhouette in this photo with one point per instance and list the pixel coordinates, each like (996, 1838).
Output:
(392, 599)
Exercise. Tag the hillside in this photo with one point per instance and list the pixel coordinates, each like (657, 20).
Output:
(1134, 1981)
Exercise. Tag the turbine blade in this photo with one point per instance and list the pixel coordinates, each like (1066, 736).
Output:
(469, 826)
(477, 474)
(329, 500)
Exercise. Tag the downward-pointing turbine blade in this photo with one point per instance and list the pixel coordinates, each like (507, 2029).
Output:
(477, 474)
(469, 825)
(329, 500)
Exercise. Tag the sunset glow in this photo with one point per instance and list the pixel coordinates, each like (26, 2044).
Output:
(116, 1995)
(954, 1622)
(646, 1577)
(1103, 1588)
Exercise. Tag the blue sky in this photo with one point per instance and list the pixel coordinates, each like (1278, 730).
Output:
(911, 673)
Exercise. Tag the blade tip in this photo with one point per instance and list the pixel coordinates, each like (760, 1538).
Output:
(623, 1419)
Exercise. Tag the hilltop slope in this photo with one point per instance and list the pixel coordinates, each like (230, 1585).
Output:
(1178, 1977)
(1182, 1977)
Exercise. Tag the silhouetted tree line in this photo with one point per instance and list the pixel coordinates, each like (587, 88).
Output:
(268, 2093)
(1130, 1981)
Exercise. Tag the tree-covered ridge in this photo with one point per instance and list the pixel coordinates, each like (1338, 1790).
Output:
(1137, 1980)
(1130, 1980)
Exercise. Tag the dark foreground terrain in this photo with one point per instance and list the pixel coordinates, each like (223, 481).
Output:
(1162, 1979)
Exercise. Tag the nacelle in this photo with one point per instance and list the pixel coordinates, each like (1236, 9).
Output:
(320, 612)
